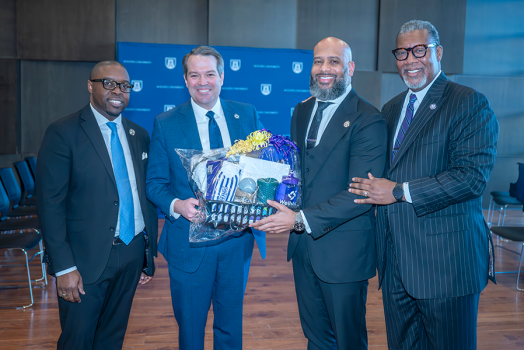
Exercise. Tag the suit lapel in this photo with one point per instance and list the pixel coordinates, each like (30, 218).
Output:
(186, 121)
(94, 134)
(431, 103)
(392, 124)
(233, 124)
(338, 126)
(303, 118)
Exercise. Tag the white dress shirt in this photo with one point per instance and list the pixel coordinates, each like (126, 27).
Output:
(326, 118)
(420, 96)
(203, 131)
(106, 134)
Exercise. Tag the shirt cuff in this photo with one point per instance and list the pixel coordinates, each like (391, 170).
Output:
(63, 272)
(308, 229)
(172, 210)
(407, 195)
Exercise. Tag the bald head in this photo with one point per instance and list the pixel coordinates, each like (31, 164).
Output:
(336, 44)
(96, 69)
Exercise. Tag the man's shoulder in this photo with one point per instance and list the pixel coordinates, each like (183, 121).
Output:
(69, 121)
(462, 91)
(238, 105)
(173, 112)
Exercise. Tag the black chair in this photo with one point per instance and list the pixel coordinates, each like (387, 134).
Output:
(24, 240)
(14, 194)
(31, 161)
(515, 234)
(7, 223)
(491, 207)
(28, 184)
(515, 196)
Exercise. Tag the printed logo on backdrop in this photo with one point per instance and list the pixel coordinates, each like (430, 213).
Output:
(168, 107)
(170, 62)
(137, 85)
(234, 64)
(297, 67)
(265, 89)
(292, 110)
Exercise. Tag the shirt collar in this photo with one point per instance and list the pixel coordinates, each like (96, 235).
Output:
(339, 99)
(200, 113)
(422, 93)
(101, 120)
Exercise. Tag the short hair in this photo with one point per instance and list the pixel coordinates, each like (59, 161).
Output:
(99, 65)
(204, 51)
(420, 25)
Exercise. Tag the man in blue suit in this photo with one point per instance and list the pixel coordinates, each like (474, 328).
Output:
(204, 274)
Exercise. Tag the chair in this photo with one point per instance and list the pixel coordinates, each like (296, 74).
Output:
(491, 207)
(7, 177)
(515, 234)
(24, 240)
(517, 189)
(515, 196)
(6, 223)
(31, 161)
(28, 184)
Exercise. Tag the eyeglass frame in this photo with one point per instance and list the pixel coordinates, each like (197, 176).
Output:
(119, 84)
(410, 49)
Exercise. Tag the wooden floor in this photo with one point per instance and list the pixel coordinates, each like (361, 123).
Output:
(271, 318)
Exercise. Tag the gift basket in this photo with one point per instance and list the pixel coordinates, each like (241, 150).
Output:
(233, 185)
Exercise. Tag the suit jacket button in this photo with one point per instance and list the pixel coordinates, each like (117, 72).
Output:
(307, 153)
(115, 202)
(307, 170)
(112, 229)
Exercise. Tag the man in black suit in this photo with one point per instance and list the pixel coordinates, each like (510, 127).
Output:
(433, 245)
(332, 244)
(94, 213)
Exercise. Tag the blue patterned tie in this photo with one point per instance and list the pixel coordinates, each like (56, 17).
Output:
(215, 137)
(405, 125)
(127, 210)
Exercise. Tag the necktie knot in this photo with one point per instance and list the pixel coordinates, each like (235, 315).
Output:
(412, 99)
(112, 126)
(322, 105)
(210, 114)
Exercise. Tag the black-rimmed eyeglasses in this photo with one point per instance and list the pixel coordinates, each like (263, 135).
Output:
(111, 85)
(418, 51)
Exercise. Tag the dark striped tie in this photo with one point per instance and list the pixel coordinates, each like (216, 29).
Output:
(315, 124)
(404, 126)
(215, 137)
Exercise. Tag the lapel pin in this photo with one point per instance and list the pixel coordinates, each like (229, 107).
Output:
(132, 132)
(236, 116)
(346, 123)
(144, 155)
(433, 106)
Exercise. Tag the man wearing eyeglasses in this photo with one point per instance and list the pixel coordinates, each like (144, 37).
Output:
(94, 214)
(434, 248)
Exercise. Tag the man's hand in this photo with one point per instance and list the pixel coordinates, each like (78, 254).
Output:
(377, 190)
(186, 208)
(144, 279)
(280, 222)
(70, 286)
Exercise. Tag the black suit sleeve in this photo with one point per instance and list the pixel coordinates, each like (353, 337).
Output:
(472, 152)
(52, 180)
(367, 153)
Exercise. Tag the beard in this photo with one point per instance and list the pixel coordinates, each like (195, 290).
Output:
(336, 90)
(413, 86)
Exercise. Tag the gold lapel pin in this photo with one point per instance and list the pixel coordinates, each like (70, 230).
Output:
(236, 116)
(132, 132)
(346, 123)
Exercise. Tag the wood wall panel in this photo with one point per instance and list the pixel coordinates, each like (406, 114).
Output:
(448, 17)
(253, 23)
(167, 22)
(355, 22)
(8, 106)
(65, 30)
(8, 28)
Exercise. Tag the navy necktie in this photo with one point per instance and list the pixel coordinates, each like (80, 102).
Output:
(315, 124)
(125, 195)
(405, 125)
(215, 137)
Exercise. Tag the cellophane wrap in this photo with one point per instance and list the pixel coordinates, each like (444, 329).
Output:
(233, 184)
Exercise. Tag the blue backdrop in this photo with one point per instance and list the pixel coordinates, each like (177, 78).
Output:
(273, 80)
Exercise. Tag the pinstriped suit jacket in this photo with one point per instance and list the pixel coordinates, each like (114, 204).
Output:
(167, 178)
(441, 240)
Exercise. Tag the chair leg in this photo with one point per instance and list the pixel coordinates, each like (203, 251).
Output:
(520, 267)
(30, 286)
(500, 214)
(490, 216)
(504, 217)
(44, 273)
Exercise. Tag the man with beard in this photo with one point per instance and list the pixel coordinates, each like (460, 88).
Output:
(94, 213)
(332, 244)
(433, 243)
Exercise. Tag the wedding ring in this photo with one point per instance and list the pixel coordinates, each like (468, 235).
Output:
(64, 295)
(365, 193)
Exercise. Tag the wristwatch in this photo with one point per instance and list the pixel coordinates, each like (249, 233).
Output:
(398, 192)
(299, 223)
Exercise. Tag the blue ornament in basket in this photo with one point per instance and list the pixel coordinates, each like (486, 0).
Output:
(248, 185)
